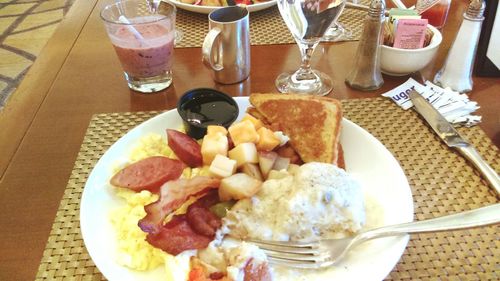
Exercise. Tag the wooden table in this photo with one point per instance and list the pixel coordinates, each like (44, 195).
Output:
(78, 75)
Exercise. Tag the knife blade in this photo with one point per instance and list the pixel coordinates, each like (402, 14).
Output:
(453, 139)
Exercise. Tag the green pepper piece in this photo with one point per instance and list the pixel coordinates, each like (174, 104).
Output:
(220, 209)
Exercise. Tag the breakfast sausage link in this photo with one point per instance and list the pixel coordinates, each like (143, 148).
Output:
(148, 174)
(202, 220)
(186, 148)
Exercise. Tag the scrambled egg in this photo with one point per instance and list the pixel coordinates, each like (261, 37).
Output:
(151, 145)
(133, 250)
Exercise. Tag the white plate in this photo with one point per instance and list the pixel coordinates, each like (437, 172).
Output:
(366, 158)
(208, 9)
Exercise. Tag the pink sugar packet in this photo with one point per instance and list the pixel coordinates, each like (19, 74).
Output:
(410, 33)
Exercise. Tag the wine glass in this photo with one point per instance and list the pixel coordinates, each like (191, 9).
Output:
(336, 33)
(307, 20)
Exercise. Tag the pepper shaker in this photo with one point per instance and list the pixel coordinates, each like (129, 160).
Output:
(366, 74)
(456, 72)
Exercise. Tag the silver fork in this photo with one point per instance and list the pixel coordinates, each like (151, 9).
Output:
(326, 252)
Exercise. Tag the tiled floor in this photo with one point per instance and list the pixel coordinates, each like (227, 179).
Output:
(25, 27)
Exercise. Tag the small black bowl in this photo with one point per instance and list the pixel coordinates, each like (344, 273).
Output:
(201, 107)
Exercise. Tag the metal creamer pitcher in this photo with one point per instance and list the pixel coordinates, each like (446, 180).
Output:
(226, 48)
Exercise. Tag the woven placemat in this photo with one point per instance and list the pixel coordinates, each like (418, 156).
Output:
(266, 26)
(441, 181)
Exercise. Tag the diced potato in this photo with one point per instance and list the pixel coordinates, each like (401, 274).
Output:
(281, 163)
(266, 161)
(212, 145)
(267, 139)
(215, 129)
(276, 175)
(244, 153)
(293, 168)
(243, 132)
(256, 122)
(222, 166)
(252, 170)
(238, 186)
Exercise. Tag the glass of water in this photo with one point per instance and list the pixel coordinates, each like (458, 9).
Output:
(308, 21)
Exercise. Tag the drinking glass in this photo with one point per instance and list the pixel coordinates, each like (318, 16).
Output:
(143, 38)
(307, 20)
(336, 33)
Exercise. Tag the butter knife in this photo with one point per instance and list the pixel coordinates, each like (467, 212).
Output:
(452, 138)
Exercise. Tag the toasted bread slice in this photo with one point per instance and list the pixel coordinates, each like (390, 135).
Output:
(311, 123)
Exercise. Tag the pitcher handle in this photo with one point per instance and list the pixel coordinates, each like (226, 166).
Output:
(207, 49)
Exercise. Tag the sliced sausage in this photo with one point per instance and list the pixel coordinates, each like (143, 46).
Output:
(186, 148)
(148, 174)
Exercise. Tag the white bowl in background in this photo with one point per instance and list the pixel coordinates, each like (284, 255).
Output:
(399, 62)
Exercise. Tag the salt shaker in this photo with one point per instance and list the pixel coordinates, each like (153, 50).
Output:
(456, 72)
(366, 74)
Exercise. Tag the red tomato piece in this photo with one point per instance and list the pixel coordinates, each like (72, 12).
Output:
(148, 174)
(186, 148)
(197, 274)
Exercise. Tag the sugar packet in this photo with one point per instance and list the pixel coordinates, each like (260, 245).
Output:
(455, 107)
(410, 33)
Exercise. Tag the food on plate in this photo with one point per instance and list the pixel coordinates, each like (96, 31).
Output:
(222, 166)
(252, 170)
(244, 182)
(186, 149)
(233, 261)
(190, 231)
(318, 201)
(244, 153)
(133, 249)
(215, 142)
(243, 131)
(148, 174)
(311, 123)
(266, 161)
(238, 186)
(172, 195)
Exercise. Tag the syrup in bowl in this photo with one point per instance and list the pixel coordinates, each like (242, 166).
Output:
(202, 107)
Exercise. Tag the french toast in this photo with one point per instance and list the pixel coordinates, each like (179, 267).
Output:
(312, 123)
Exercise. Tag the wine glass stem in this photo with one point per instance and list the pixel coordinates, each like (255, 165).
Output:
(305, 72)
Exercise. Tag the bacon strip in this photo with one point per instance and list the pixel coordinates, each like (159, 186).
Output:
(193, 230)
(177, 236)
(172, 195)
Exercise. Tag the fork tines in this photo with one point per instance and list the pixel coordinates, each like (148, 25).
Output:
(294, 254)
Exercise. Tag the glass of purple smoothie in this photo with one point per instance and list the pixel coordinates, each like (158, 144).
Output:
(143, 34)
